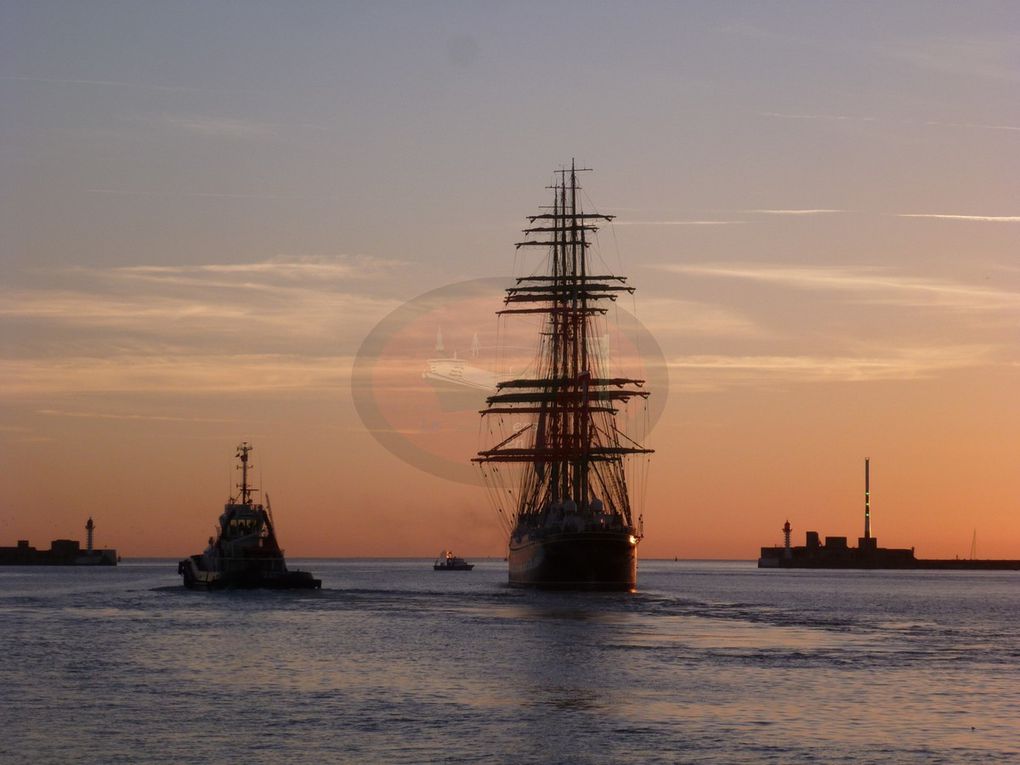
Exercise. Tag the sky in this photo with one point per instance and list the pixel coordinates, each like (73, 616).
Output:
(206, 208)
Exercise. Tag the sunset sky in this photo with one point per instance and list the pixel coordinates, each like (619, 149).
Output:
(206, 208)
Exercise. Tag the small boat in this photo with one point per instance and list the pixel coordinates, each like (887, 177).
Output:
(244, 554)
(447, 561)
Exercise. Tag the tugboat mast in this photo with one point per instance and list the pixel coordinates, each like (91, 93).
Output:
(242, 454)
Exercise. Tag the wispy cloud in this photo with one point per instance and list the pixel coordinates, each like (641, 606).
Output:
(211, 194)
(872, 284)
(126, 84)
(83, 307)
(730, 221)
(295, 305)
(291, 267)
(669, 316)
(827, 117)
(718, 371)
(976, 218)
(814, 211)
(986, 59)
(974, 125)
(917, 123)
(677, 222)
(220, 127)
(92, 415)
(178, 374)
(278, 315)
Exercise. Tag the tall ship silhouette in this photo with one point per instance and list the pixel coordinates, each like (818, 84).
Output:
(557, 467)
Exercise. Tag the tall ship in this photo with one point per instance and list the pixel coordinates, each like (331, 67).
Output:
(557, 469)
(244, 554)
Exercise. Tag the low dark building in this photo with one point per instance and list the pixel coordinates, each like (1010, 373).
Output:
(836, 553)
(62, 552)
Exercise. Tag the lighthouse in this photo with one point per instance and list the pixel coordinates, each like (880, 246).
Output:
(787, 552)
(89, 528)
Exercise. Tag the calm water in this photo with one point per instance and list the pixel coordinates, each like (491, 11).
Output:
(392, 662)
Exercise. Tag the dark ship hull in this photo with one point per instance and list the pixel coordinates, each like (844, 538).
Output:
(198, 578)
(574, 560)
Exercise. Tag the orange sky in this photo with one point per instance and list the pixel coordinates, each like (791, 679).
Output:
(817, 205)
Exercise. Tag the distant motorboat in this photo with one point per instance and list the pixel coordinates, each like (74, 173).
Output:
(447, 561)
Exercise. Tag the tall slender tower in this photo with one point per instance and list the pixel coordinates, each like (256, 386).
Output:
(787, 552)
(89, 528)
(867, 498)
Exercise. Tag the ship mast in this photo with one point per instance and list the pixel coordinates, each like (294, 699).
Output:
(573, 445)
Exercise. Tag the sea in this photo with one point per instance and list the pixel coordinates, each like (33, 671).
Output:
(392, 662)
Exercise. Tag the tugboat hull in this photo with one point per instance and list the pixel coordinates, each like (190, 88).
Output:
(244, 554)
(591, 560)
(195, 578)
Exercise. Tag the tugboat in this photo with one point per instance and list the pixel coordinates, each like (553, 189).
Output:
(447, 561)
(567, 508)
(244, 554)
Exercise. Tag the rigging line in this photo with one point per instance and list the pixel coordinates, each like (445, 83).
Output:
(644, 483)
(609, 500)
(612, 436)
(596, 249)
(616, 245)
(620, 432)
